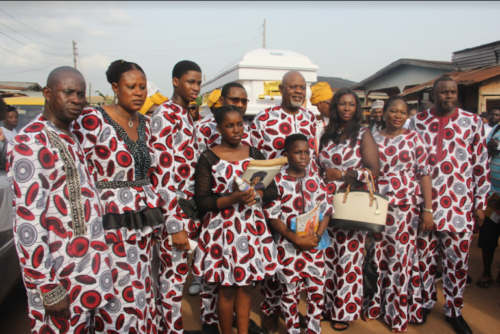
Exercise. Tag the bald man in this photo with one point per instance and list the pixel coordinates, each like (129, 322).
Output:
(57, 215)
(268, 132)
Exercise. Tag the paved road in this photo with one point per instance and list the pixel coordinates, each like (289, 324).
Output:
(482, 309)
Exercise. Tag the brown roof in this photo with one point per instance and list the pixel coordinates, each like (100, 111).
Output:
(465, 78)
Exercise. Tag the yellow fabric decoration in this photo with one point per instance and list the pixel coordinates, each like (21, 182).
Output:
(213, 99)
(320, 92)
(156, 98)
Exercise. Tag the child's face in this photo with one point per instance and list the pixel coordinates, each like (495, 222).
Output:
(232, 129)
(299, 155)
(256, 180)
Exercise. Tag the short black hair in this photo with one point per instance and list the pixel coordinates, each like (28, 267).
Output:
(118, 67)
(11, 109)
(290, 140)
(443, 78)
(183, 67)
(494, 108)
(393, 99)
(221, 112)
(228, 86)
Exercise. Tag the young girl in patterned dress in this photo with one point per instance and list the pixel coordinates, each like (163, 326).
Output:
(404, 179)
(236, 246)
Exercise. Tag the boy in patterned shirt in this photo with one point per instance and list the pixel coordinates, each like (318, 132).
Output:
(299, 190)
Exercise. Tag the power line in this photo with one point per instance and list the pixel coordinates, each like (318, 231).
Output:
(30, 27)
(177, 40)
(54, 54)
(31, 39)
(42, 62)
(38, 69)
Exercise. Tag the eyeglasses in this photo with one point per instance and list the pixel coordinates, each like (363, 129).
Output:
(192, 108)
(236, 100)
(326, 102)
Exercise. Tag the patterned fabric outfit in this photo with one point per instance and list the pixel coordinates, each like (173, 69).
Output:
(403, 161)
(458, 161)
(175, 142)
(208, 137)
(269, 130)
(122, 170)
(295, 197)
(58, 228)
(236, 246)
(344, 256)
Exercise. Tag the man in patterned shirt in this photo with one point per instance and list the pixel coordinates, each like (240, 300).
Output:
(268, 133)
(57, 215)
(458, 159)
(175, 142)
(232, 93)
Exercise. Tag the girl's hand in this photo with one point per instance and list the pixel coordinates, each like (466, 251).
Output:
(307, 242)
(332, 174)
(426, 220)
(246, 197)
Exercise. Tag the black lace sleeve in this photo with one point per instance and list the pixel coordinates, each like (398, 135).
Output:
(205, 199)
(271, 192)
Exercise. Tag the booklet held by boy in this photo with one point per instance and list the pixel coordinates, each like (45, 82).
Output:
(260, 173)
(307, 223)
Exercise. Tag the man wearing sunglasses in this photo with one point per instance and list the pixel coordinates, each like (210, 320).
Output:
(194, 111)
(232, 93)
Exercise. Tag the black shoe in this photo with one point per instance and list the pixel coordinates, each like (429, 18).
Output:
(469, 281)
(209, 329)
(425, 313)
(253, 328)
(270, 323)
(439, 276)
(459, 325)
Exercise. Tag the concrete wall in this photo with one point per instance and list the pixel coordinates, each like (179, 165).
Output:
(404, 76)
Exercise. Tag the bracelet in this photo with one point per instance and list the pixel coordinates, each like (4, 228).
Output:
(318, 236)
(428, 210)
(343, 175)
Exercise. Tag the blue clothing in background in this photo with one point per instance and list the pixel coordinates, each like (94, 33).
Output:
(495, 162)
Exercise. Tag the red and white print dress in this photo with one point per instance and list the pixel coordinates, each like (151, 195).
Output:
(403, 161)
(174, 137)
(236, 246)
(57, 227)
(208, 137)
(295, 197)
(458, 161)
(344, 256)
(123, 171)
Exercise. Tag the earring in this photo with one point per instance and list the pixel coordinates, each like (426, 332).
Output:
(115, 99)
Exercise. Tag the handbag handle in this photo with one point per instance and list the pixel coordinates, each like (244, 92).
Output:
(370, 183)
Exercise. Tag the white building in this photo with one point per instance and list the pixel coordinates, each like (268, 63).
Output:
(260, 71)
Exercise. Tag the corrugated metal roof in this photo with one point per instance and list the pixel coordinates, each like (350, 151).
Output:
(465, 78)
(335, 82)
(413, 62)
(17, 85)
(477, 47)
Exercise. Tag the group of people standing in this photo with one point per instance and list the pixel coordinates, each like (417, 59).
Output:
(97, 191)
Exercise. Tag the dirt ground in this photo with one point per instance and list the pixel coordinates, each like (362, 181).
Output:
(482, 309)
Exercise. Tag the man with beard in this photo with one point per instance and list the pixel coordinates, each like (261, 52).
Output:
(458, 162)
(268, 133)
(377, 122)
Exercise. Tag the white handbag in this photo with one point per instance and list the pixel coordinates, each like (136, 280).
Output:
(364, 210)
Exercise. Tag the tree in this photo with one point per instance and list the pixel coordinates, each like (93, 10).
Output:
(105, 98)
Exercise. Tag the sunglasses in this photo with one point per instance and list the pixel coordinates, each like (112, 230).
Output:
(192, 108)
(236, 100)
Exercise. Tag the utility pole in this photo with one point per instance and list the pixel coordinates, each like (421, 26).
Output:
(74, 54)
(264, 34)
(90, 92)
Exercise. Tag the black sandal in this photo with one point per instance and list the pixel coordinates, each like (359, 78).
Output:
(346, 324)
(484, 282)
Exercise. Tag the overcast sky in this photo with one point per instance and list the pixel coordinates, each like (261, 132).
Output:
(351, 40)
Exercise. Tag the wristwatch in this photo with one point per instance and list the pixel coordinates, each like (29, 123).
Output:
(318, 236)
(428, 210)
(343, 175)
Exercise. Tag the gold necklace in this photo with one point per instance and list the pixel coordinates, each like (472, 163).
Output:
(130, 123)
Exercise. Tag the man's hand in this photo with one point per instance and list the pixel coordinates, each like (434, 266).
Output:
(180, 241)
(492, 147)
(478, 215)
(59, 310)
(307, 242)
(332, 174)
(426, 220)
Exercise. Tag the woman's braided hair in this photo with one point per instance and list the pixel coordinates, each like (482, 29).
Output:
(118, 67)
